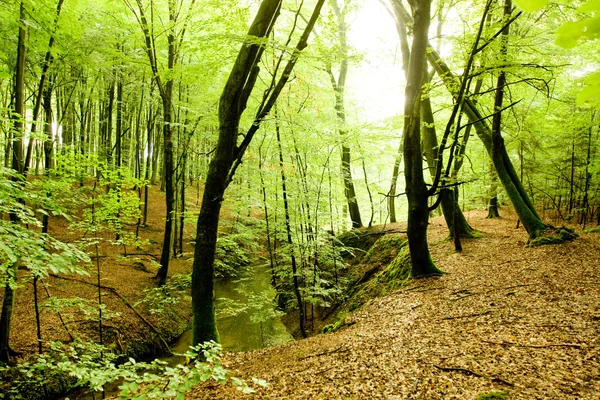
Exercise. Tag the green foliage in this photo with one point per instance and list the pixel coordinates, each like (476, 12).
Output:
(158, 298)
(21, 244)
(92, 365)
(341, 320)
(230, 257)
(531, 5)
(593, 230)
(493, 396)
(78, 306)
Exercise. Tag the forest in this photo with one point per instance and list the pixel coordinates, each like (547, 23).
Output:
(216, 199)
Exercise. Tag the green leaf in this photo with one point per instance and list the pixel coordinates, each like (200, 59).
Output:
(531, 5)
(590, 6)
(569, 34)
(9, 253)
(590, 94)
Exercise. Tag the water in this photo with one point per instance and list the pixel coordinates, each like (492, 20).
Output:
(246, 319)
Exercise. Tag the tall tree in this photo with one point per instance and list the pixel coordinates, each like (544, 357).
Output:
(339, 87)
(164, 82)
(228, 153)
(416, 190)
(18, 117)
(504, 167)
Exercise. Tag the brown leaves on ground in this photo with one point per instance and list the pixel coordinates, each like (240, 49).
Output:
(504, 318)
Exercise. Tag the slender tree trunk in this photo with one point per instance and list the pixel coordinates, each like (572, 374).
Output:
(493, 194)
(585, 205)
(41, 87)
(339, 87)
(8, 303)
(288, 229)
(405, 49)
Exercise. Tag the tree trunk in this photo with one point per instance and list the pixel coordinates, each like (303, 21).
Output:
(416, 190)
(8, 302)
(231, 105)
(288, 229)
(493, 194)
(228, 155)
(339, 87)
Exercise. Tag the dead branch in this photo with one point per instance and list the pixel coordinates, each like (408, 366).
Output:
(340, 348)
(127, 303)
(536, 346)
(467, 316)
(470, 372)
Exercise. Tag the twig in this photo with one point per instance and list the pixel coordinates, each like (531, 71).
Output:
(127, 303)
(470, 372)
(465, 296)
(427, 290)
(326, 352)
(468, 315)
(536, 346)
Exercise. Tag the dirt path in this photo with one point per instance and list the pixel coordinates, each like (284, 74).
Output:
(504, 318)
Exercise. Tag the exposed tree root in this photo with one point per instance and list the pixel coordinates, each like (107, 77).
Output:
(551, 235)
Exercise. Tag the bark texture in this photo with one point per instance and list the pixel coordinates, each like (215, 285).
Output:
(416, 190)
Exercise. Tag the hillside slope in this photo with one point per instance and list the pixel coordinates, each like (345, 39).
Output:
(504, 318)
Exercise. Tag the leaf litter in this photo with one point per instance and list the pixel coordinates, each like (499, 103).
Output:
(503, 318)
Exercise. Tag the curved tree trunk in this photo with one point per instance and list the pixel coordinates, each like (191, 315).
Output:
(228, 155)
(416, 190)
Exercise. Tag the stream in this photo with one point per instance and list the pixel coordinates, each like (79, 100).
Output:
(246, 315)
(246, 320)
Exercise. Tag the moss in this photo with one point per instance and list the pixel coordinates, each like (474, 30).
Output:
(358, 239)
(398, 271)
(384, 249)
(492, 396)
(552, 235)
(337, 325)
(593, 230)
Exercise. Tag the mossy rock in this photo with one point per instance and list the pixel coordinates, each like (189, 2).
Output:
(359, 239)
(384, 250)
(337, 325)
(398, 271)
(552, 235)
(492, 396)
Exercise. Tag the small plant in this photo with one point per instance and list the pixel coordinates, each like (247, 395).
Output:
(337, 325)
(492, 396)
(93, 365)
(168, 294)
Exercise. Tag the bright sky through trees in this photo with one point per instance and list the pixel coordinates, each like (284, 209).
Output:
(375, 84)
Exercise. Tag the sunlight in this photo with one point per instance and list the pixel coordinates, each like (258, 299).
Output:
(376, 85)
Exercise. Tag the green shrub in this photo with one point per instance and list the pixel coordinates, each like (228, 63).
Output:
(492, 396)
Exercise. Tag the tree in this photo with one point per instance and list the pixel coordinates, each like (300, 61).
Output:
(416, 190)
(502, 162)
(339, 87)
(18, 117)
(164, 82)
(228, 153)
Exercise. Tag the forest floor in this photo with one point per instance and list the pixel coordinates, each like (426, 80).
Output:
(124, 278)
(504, 318)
